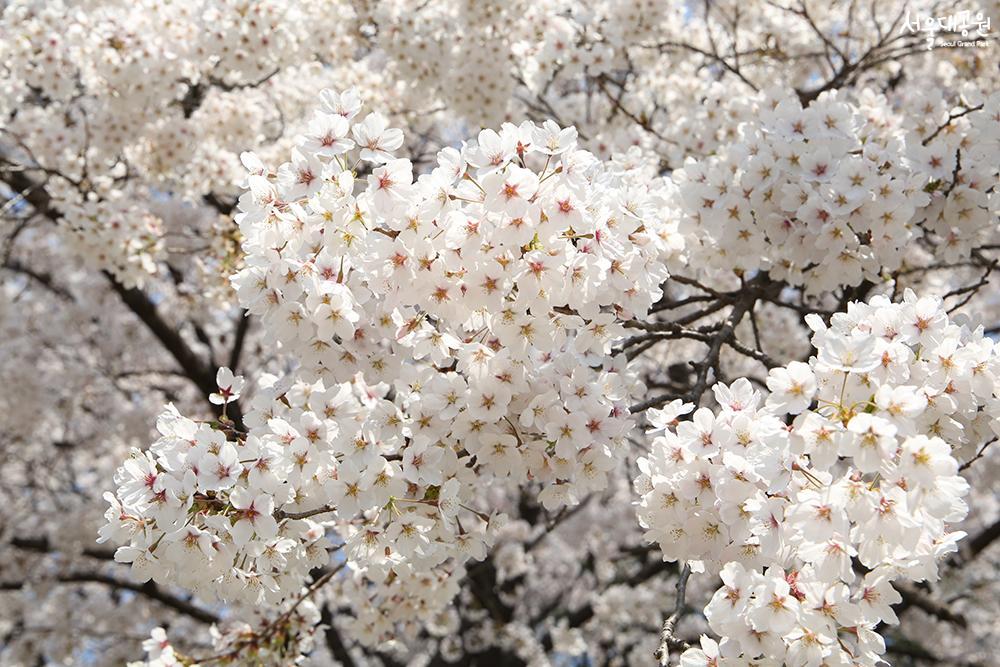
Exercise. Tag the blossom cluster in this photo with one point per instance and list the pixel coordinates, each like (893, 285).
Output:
(832, 194)
(243, 517)
(813, 501)
(451, 333)
(117, 236)
(456, 334)
(81, 110)
(276, 641)
(461, 51)
(485, 296)
(452, 336)
(234, 74)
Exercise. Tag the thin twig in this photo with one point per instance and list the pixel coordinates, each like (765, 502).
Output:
(667, 638)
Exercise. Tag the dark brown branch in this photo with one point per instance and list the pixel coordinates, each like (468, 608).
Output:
(334, 640)
(282, 514)
(31, 191)
(42, 545)
(578, 617)
(242, 327)
(951, 118)
(715, 57)
(223, 207)
(756, 355)
(196, 92)
(743, 305)
(148, 590)
(978, 543)
(908, 648)
(667, 638)
(914, 597)
(979, 455)
(198, 371)
(43, 279)
(643, 122)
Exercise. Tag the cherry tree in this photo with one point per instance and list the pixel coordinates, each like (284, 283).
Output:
(467, 332)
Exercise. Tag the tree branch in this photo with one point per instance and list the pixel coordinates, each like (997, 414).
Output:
(200, 373)
(149, 590)
(744, 304)
(914, 597)
(42, 545)
(667, 639)
(975, 545)
(43, 279)
(242, 327)
(334, 641)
